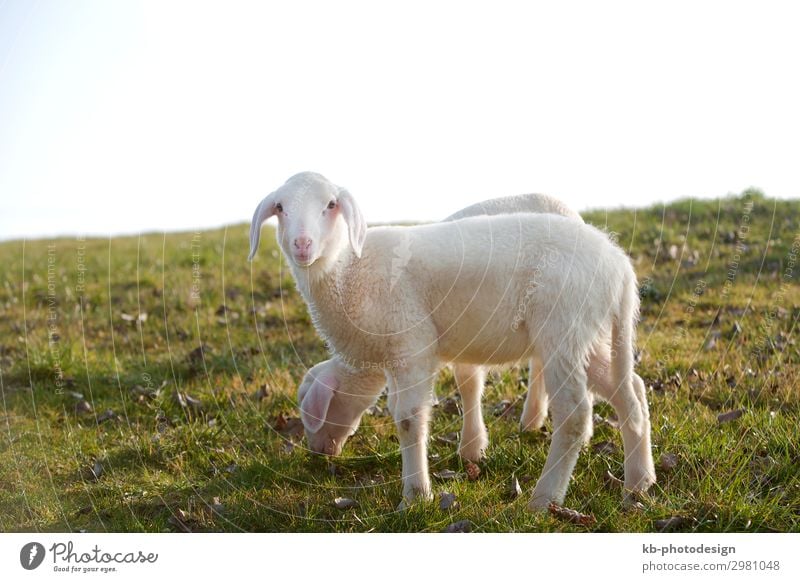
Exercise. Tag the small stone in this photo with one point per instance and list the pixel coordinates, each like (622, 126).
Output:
(344, 503)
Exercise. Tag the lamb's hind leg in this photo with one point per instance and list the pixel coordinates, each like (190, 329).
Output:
(630, 404)
(474, 438)
(571, 409)
(534, 413)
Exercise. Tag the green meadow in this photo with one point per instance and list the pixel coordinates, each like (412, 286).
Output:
(148, 384)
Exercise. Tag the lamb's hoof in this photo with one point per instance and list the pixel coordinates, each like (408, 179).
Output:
(413, 498)
(474, 451)
(639, 486)
(532, 421)
(636, 500)
(539, 503)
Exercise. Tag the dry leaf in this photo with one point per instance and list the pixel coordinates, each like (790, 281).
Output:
(96, 471)
(464, 526)
(502, 407)
(447, 501)
(448, 475)
(107, 415)
(611, 480)
(450, 438)
(514, 490)
(290, 426)
(261, 393)
(181, 520)
(82, 407)
(187, 402)
(571, 515)
(668, 462)
(730, 416)
(674, 522)
(473, 471)
(450, 406)
(605, 448)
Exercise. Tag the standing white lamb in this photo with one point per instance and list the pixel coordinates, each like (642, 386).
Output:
(357, 388)
(487, 290)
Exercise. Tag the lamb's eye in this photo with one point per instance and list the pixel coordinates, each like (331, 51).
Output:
(331, 204)
(279, 207)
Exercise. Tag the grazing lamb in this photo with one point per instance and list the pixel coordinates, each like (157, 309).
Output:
(480, 291)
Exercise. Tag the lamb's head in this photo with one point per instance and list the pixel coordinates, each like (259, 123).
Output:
(316, 218)
(332, 399)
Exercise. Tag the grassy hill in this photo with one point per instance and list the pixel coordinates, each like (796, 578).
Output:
(148, 384)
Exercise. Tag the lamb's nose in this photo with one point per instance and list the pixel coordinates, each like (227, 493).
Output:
(302, 243)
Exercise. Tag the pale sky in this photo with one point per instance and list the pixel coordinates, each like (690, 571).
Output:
(121, 117)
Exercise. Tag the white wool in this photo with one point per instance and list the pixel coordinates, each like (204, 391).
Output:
(478, 291)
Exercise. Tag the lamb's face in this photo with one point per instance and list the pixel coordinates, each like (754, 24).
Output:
(332, 402)
(310, 224)
(315, 220)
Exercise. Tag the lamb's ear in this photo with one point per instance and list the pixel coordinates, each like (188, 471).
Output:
(314, 407)
(356, 226)
(262, 213)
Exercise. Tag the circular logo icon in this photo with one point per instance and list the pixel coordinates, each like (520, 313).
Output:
(31, 555)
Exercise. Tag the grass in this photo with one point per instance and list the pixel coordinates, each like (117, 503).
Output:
(720, 307)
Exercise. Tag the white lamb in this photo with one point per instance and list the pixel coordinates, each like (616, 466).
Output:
(480, 291)
(357, 388)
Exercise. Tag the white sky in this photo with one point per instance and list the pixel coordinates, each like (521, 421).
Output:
(123, 117)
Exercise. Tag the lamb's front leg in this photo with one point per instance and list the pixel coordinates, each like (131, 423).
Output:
(412, 388)
(474, 438)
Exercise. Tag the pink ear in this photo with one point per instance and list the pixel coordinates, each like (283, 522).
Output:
(314, 407)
